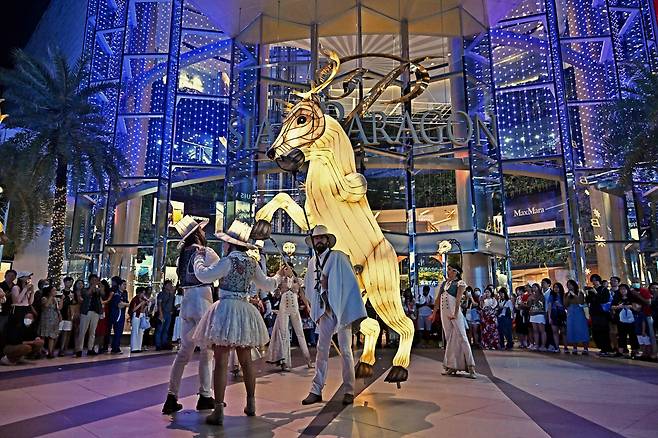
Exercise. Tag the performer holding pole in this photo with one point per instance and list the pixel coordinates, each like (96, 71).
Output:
(336, 303)
(279, 350)
(197, 298)
(233, 322)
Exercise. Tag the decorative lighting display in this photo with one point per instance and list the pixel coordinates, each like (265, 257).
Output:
(545, 70)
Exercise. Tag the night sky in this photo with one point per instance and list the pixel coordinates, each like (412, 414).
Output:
(18, 19)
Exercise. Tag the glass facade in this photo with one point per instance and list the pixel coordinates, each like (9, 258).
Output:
(516, 171)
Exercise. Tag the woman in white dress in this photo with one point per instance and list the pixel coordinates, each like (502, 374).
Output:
(178, 301)
(279, 349)
(458, 354)
(233, 322)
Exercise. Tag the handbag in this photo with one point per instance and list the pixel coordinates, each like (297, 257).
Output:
(626, 316)
(144, 323)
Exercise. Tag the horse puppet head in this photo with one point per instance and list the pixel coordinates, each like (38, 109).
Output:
(304, 124)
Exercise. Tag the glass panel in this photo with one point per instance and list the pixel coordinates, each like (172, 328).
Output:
(520, 54)
(106, 63)
(525, 8)
(629, 43)
(111, 14)
(582, 18)
(535, 199)
(534, 259)
(589, 70)
(205, 64)
(193, 18)
(608, 259)
(128, 208)
(588, 134)
(437, 190)
(88, 223)
(528, 123)
(148, 27)
(200, 194)
(201, 131)
(239, 191)
(140, 139)
(602, 203)
(143, 88)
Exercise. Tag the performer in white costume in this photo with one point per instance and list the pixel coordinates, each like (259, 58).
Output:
(233, 322)
(197, 298)
(336, 303)
(458, 355)
(279, 349)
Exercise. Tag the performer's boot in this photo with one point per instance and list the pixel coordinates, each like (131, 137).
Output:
(171, 405)
(205, 403)
(250, 410)
(217, 416)
(312, 398)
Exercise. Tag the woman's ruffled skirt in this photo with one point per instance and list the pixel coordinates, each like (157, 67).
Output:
(231, 323)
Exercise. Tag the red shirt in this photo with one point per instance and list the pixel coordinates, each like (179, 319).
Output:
(646, 294)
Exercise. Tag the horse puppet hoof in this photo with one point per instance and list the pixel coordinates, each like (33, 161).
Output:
(397, 375)
(363, 370)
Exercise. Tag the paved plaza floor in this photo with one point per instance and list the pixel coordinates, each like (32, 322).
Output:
(517, 394)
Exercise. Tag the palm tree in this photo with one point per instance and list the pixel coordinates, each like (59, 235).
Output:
(30, 198)
(632, 125)
(68, 142)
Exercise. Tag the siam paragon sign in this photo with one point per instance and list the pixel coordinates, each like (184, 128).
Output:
(442, 126)
(378, 128)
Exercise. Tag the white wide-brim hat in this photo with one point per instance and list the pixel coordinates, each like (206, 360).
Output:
(237, 234)
(320, 230)
(187, 225)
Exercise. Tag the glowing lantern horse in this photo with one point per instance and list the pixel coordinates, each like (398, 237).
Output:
(336, 198)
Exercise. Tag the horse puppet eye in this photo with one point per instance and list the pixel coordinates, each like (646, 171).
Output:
(301, 120)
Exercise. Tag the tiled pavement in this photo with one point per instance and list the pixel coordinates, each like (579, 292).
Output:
(518, 394)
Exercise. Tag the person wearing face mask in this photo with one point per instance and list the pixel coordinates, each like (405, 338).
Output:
(336, 304)
(21, 340)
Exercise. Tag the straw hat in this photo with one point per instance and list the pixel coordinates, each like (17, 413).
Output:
(320, 230)
(187, 225)
(238, 234)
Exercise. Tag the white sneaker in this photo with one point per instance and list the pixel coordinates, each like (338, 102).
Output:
(5, 361)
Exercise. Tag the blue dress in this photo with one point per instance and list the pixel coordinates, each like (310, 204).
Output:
(577, 329)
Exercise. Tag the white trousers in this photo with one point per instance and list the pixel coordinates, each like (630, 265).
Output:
(88, 323)
(279, 348)
(136, 334)
(326, 329)
(184, 355)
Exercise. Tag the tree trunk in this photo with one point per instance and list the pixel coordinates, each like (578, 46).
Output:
(57, 235)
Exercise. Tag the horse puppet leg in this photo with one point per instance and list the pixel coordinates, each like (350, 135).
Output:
(286, 203)
(370, 329)
(381, 278)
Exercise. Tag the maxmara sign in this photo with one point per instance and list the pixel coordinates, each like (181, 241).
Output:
(378, 128)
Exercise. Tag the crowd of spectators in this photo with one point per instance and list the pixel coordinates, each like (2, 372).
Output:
(82, 317)
(619, 319)
(89, 317)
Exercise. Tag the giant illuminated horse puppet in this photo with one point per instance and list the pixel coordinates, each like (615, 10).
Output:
(336, 198)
